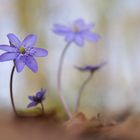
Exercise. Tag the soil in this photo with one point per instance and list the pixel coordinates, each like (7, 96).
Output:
(77, 128)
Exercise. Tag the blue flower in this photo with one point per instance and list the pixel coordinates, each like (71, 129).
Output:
(38, 98)
(90, 68)
(22, 52)
(78, 32)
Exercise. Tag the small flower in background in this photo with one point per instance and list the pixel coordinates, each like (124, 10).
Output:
(78, 32)
(90, 68)
(22, 52)
(37, 99)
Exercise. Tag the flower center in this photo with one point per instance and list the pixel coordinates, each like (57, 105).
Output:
(22, 50)
(75, 29)
(36, 99)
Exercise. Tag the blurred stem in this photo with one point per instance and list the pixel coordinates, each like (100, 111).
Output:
(42, 107)
(11, 90)
(81, 91)
(59, 75)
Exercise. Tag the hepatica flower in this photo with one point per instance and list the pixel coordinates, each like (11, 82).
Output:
(22, 52)
(78, 32)
(90, 68)
(37, 99)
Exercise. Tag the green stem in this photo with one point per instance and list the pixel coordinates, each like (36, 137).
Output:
(81, 91)
(11, 90)
(59, 75)
(42, 107)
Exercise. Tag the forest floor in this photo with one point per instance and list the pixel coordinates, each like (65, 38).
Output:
(77, 128)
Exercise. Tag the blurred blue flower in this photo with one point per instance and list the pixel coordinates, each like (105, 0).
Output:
(38, 98)
(78, 32)
(22, 52)
(90, 68)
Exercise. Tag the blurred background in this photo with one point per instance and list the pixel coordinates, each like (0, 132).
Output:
(114, 88)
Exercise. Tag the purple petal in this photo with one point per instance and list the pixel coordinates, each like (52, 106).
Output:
(20, 63)
(31, 63)
(39, 52)
(79, 40)
(31, 98)
(32, 104)
(69, 37)
(8, 48)
(90, 26)
(92, 36)
(29, 41)
(79, 23)
(14, 40)
(82, 26)
(8, 56)
(81, 68)
(91, 68)
(40, 94)
(61, 30)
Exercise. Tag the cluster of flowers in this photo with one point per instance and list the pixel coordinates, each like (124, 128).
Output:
(23, 53)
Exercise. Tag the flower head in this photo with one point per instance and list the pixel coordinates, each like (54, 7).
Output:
(38, 98)
(78, 32)
(90, 68)
(22, 52)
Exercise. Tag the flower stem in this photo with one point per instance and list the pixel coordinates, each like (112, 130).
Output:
(81, 91)
(11, 90)
(42, 107)
(59, 75)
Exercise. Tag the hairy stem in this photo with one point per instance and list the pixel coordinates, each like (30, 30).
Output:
(59, 76)
(42, 107)
(81, 91)
(11, 90)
